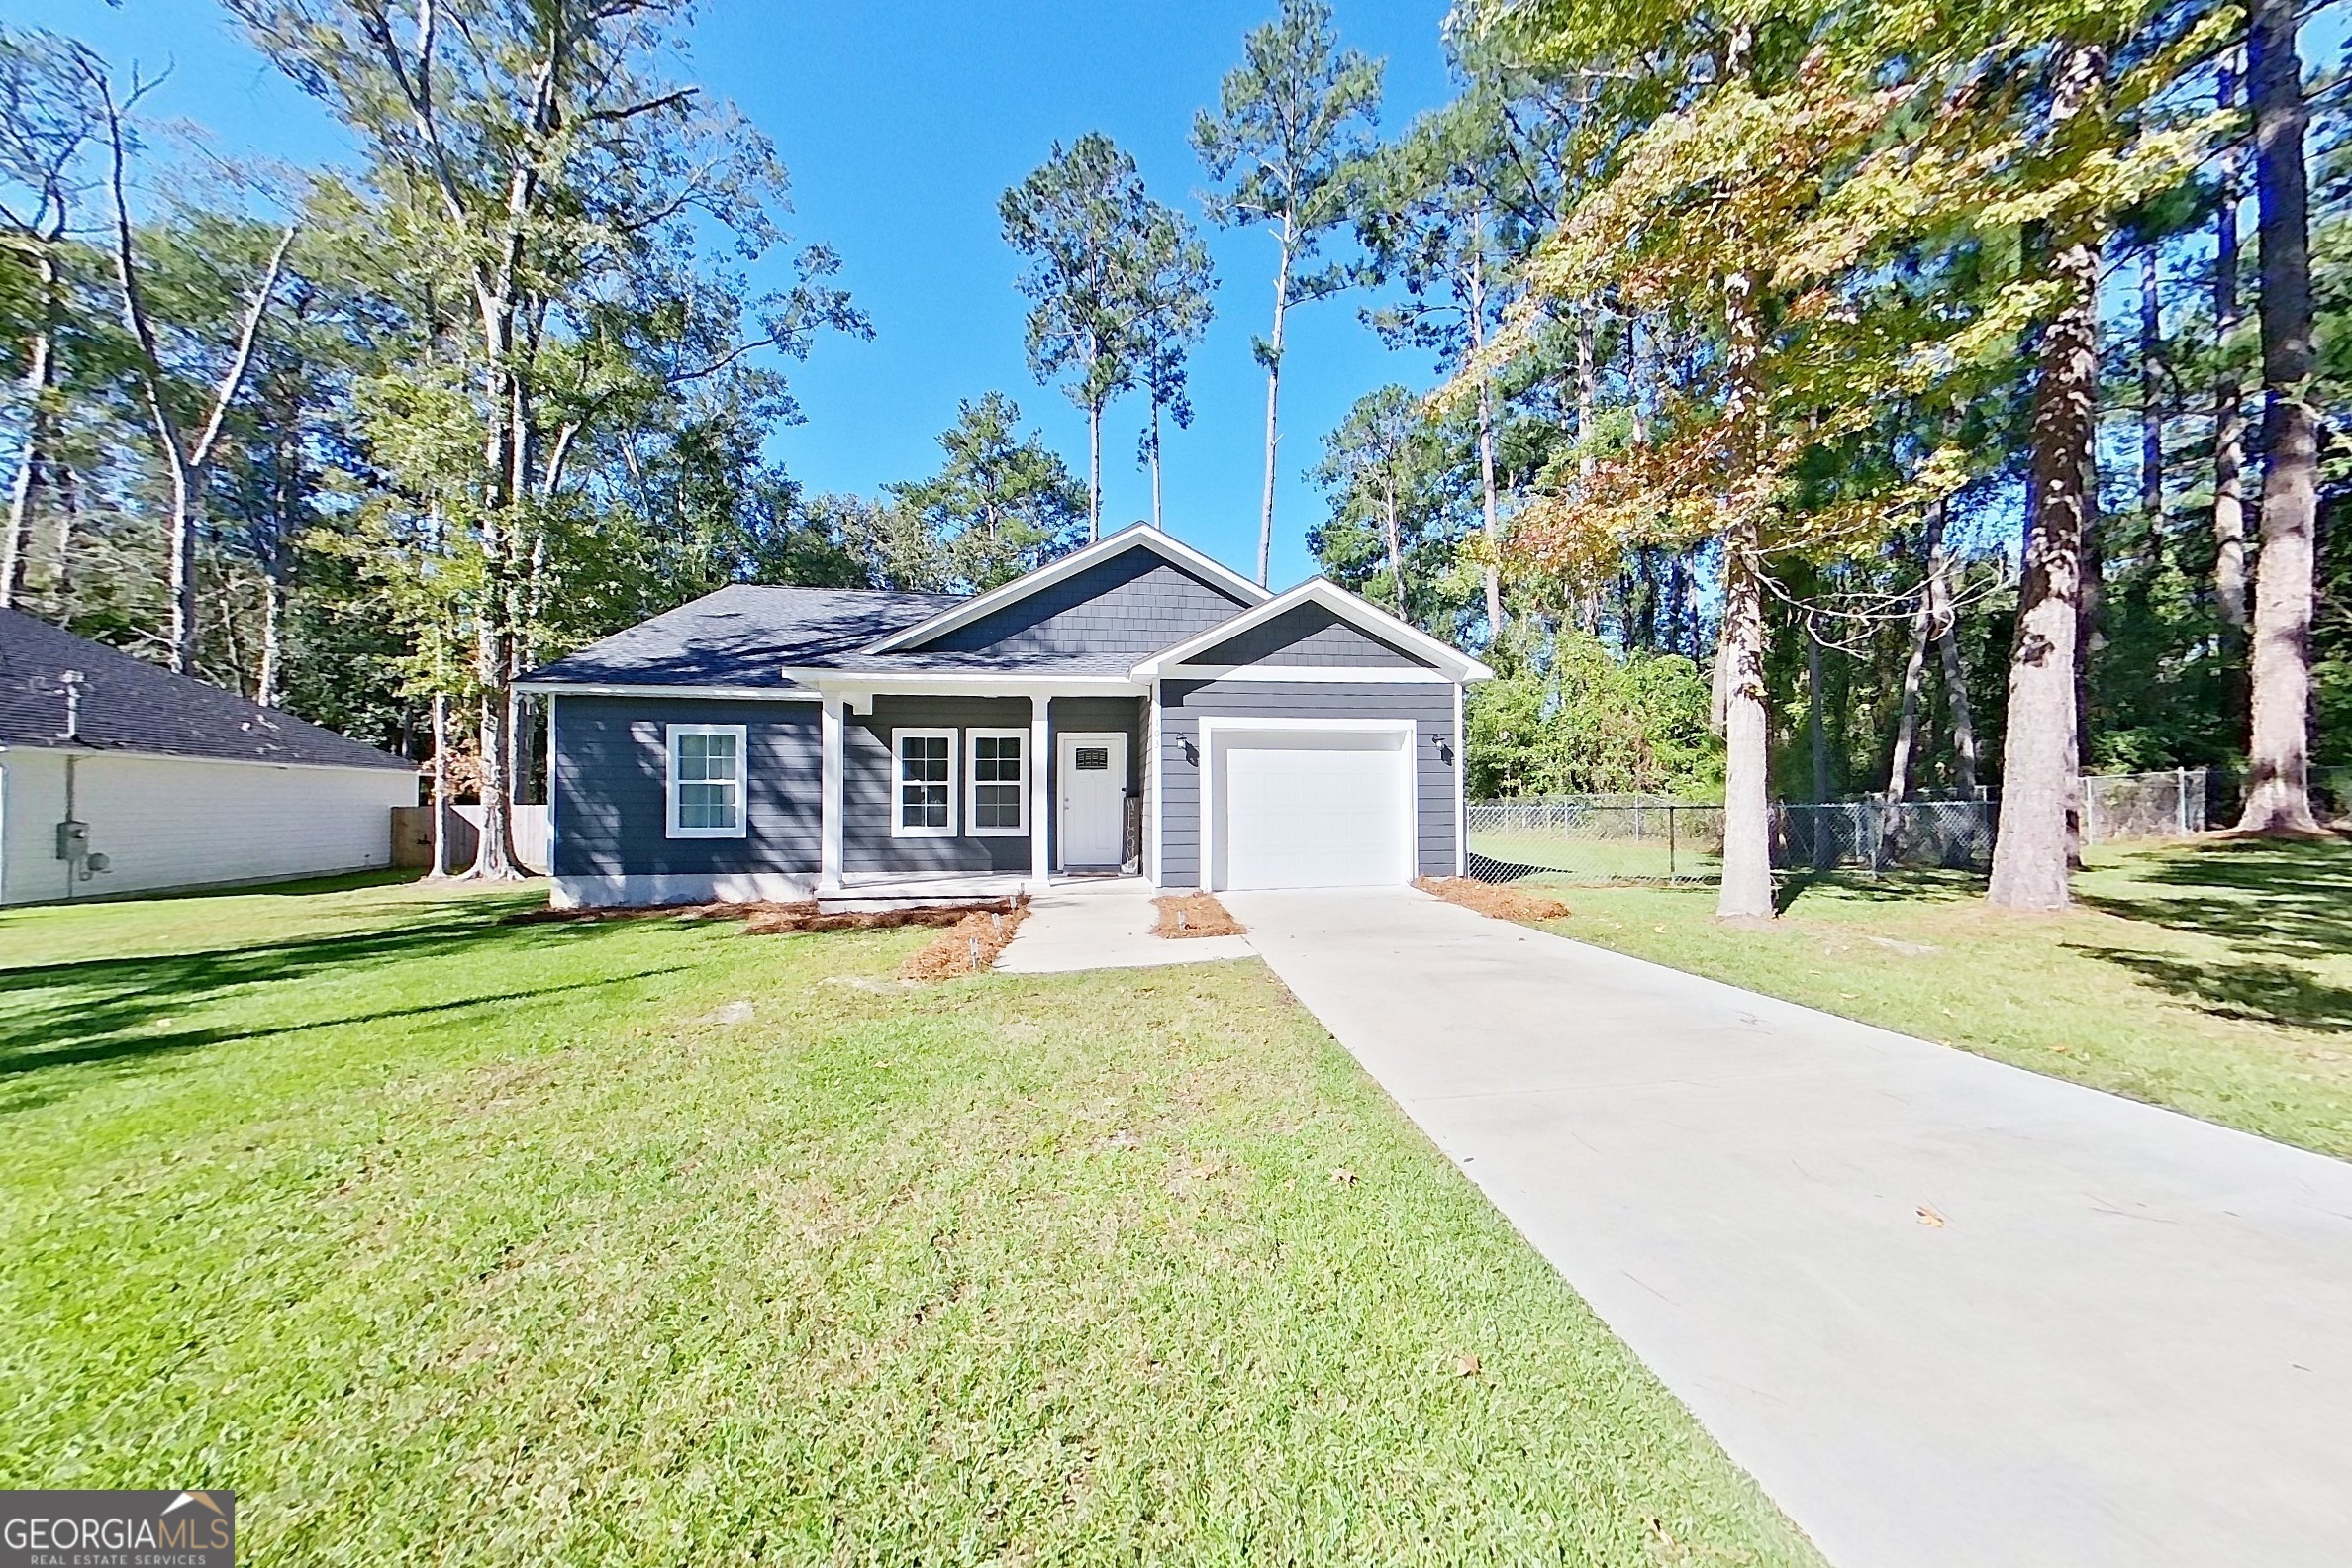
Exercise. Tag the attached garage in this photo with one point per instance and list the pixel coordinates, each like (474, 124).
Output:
(1307, 804)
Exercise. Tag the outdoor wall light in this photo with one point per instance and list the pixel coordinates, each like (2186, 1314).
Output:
(1445, 751)
(1192, 752)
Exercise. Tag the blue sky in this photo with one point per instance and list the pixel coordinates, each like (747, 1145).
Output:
(901, 124)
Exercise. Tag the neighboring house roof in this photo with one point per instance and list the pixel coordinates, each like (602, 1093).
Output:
(130, 705)
(741, 636)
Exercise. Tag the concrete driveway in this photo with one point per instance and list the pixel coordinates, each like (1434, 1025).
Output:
(1946, 1312)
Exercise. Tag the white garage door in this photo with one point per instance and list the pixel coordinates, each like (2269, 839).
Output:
(1311, 809)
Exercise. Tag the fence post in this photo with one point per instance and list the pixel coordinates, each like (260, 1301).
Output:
(2181, 797)
(2089, 813)
(1670, 840)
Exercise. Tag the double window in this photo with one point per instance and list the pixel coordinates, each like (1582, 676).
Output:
(706, 781)
(925, 802)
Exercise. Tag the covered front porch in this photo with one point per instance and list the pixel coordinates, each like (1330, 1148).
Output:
(949, 787)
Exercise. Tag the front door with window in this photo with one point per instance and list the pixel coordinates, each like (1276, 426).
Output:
(1093, 787)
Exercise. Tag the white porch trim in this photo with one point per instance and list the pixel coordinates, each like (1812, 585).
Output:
(829, 794)
(1040, 763)
(1352, 674)
(688, 693)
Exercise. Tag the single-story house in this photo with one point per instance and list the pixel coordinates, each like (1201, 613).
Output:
(120, 777)
(1131, 707)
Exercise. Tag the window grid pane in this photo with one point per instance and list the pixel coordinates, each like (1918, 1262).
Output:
(708, 790)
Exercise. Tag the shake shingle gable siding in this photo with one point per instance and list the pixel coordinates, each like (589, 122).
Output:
(1309, 635)
(1117, 611)
(130, 705)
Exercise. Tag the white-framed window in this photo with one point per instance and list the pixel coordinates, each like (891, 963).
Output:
(996, 803)
(923, 783)
(706, 781)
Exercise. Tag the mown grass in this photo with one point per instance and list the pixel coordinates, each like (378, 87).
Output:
(2214, 977)
(445, 1240)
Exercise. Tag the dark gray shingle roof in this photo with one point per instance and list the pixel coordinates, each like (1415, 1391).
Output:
(743, 635)
(130, 705)
(990, 661)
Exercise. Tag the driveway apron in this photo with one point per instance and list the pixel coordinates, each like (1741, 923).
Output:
(1945, 1311)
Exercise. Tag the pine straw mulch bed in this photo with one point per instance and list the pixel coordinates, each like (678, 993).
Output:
(969, 946)
(771, 919)
(1184, 915)
(1503, 902)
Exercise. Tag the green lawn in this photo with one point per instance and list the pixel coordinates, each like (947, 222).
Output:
(440, 1238)
(2214, 977)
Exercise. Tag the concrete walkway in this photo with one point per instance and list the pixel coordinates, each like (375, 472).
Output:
(1103, 925)
(1946, 1312)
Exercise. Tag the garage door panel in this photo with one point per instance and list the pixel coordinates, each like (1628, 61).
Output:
(1313, 811)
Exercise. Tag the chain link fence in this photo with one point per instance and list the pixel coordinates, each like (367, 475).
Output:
(1655, 839)
(2124, 806)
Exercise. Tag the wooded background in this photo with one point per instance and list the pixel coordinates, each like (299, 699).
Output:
(1842, 398)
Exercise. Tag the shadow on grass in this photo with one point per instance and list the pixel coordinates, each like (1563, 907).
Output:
(77, 1013)
(2253, 993)
(1902, 885)
(2277, 899)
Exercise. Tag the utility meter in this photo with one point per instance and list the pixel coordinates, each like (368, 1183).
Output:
(73, 839)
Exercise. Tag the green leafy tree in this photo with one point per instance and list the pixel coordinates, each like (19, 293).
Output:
(1003, 504)
(1110, 271)
(548, 153)
(1387, 470)
(50, 119)
(1291, 122)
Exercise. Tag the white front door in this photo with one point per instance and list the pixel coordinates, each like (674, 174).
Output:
(1092, 822)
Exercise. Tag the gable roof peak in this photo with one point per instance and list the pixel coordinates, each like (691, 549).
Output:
(1136, 536)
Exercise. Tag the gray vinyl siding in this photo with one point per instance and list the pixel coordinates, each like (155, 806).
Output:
(867, 775)
(1131, 605)
(1309, 635)
(611, 782)
(1431, 705)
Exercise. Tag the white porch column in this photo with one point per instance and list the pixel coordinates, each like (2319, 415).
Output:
(1041, 797)
(829, 852)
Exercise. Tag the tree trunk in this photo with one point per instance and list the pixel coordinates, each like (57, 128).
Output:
(1155, 464)
(2031, 850)
(2229, 422)
(1816, 728)
(2278, 786)
(1094, 471)
(182, 531)
(274, 614)
(40, 379)
(1271, 354)
(1396, 547)
(1747, 810)
(1955, 674)
(1486, 448)
(2151, 412)
(1915, 668)
(440, 786)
